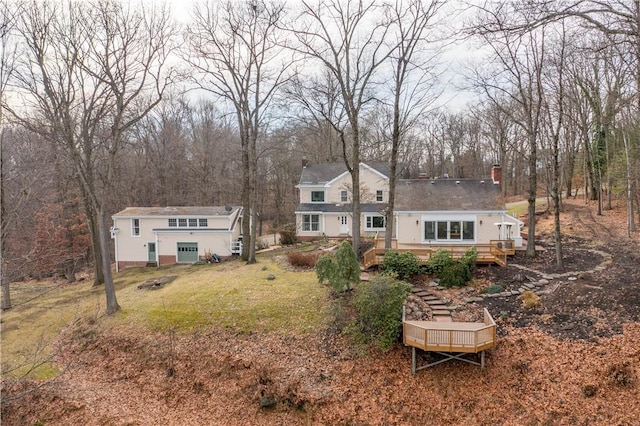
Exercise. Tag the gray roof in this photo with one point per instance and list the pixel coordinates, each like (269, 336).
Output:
(447, 195)
(340, 208)
(321, 173)
(178, 211)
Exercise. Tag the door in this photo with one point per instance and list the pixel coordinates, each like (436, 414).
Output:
(187, 252)
(151, 249)
(344, 224)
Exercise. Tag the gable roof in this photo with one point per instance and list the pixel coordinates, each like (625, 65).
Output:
(322, 173)
(447, 195)
(201, 211)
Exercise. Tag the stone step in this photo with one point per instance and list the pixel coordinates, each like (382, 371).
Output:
(423, 293)
(441, 312)
(435, 302)
(442, 318)
(429, 298)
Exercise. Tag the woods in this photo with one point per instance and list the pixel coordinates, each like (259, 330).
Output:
(108, 104)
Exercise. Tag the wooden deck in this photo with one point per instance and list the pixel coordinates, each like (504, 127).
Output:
(495, 252)
(450, 338)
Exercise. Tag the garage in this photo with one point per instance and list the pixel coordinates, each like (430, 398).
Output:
(187, 252)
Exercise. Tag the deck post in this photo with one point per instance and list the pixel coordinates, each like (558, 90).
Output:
(482, 360)
(413, 360)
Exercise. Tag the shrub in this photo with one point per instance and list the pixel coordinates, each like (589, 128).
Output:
(470, 257)
(379, 307)
(404, 264)
(439, 260)
(366, 244)
(288, 234)
(529, 299)
(456, 274)
(303, 260)
(496, 288)
(340, 270)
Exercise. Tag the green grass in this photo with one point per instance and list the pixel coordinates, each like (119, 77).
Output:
(520, 208)
(229, 294)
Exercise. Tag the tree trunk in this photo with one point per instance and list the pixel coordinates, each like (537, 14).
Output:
(5, 283)
(105, 239)
(631, 225)
(533, 187)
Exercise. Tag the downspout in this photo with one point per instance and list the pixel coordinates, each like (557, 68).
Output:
(114, 234)
(157, 250)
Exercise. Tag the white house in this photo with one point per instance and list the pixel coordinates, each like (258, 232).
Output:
(167, 235)
(428, 212)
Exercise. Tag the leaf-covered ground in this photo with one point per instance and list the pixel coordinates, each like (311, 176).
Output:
(537, 375)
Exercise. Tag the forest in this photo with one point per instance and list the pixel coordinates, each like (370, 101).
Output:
(108, 104)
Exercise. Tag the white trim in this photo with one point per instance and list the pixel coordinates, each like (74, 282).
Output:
(368, 215)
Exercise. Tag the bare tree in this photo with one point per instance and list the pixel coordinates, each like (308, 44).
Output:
(519, 58)
(350, 40)
(91, 72)
(239, 54)
(8, 15)
(413, 81)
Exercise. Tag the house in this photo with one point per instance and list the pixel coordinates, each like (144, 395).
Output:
(326, 195)
(168, 235)
(428, 212)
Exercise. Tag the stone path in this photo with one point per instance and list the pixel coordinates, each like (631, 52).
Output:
(440, 310)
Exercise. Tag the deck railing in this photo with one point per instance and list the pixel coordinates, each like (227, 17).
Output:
(496, 251)
(451, 337)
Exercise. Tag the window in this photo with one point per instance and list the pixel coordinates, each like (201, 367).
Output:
(379, 196)
(467, 230)
(310, 222)
(135, 227)
(449, 230)
(317, 196)
(344, 196)
(188, 222)
(375, 223)
(429, 230)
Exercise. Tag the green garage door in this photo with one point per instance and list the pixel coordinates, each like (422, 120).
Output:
(187, 252)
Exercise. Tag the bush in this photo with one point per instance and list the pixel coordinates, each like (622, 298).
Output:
(303, 260)
(366, 244)
(470, 257)
(456, 274)
(496, 288)
(288, 235)
(340, 270)
(529, 299)
(440, 260)
(404, 264)
(379, 307)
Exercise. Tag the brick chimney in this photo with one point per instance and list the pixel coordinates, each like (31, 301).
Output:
(496, 174)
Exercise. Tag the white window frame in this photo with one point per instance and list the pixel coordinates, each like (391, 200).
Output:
(172, 222)
(344, 196)
(307, 226)
(192, 222)
(379, 195)
(203, 222)
(438, 237)
(135, 227)
(183, 222)
(318, 192)
(369, 223)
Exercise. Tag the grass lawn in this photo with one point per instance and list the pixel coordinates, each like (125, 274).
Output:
(229, 294)
(520, 208)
